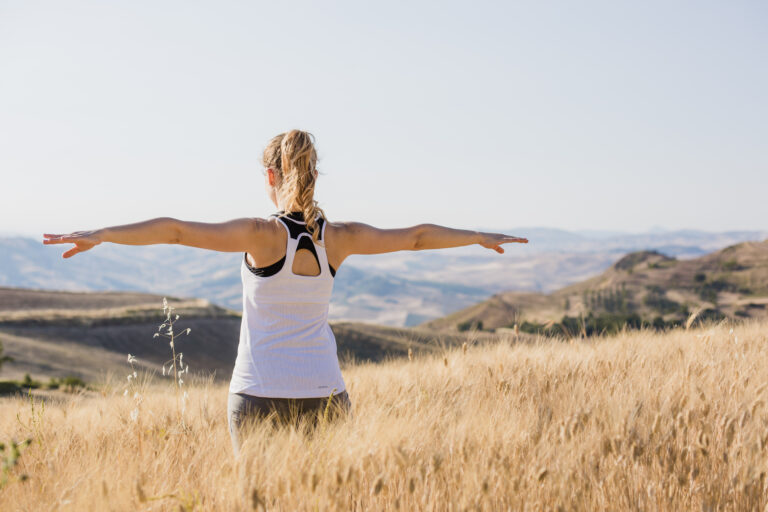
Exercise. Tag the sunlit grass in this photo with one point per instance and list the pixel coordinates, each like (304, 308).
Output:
(641, 420)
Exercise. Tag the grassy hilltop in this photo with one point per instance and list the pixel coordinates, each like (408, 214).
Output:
(640, 421)
(642, 288)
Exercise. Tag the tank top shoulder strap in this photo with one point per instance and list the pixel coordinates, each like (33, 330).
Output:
(294, 223)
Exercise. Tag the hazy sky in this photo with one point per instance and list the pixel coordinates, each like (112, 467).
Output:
(577, 115)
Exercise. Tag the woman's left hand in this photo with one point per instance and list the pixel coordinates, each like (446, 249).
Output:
(83, 240)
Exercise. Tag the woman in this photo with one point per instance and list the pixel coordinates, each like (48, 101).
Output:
(286, 359)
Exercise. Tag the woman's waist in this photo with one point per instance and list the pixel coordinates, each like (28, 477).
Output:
(280, 331)
(271, 317)
(287, 360)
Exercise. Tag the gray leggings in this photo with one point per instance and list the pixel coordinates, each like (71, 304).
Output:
(242, 408)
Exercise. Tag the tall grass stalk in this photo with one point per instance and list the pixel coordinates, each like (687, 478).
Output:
(166, 329)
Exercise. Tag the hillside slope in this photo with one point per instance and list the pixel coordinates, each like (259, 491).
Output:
(87, 334)
(646, 285)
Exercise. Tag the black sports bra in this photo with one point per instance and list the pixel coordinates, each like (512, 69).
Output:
(294, 221)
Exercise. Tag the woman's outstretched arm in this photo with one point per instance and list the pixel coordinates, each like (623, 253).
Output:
(358, 238)
(232, 236)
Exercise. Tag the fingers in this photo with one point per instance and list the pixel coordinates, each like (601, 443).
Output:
(79, 238)
(71, 252)
(51, 238)
(60, 239)
(503, 239)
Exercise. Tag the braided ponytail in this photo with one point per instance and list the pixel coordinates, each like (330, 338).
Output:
(293, 155)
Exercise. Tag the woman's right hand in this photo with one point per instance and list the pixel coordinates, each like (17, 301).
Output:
(494, 241)
(83, 240)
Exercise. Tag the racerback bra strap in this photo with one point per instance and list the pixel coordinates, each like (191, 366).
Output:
(298, 238)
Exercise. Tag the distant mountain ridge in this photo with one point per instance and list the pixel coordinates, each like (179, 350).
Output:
(644, 286)
(398, 289)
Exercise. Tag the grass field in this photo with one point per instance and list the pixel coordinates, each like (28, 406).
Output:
(643, 420)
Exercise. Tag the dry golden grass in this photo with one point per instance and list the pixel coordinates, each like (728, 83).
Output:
(638, 421)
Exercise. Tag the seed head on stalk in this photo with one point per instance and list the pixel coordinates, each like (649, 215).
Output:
(176, 363)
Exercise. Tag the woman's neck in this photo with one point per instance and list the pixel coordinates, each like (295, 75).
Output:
(292, 207)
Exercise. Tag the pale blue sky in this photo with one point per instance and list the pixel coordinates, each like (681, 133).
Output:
(577, 115)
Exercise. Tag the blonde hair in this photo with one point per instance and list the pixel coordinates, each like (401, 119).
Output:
(293, 157)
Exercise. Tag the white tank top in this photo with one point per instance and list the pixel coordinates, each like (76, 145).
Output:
(287, 348)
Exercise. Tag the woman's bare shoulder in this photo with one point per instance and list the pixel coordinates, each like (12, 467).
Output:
(336, 239)
(270, 242)
(342, 232)
(344, 227)
(268, 224)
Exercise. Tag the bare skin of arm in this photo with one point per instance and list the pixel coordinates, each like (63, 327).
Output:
(265, 238)
(345, 239)
(232, 236)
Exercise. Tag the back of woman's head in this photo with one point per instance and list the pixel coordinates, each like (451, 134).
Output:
(293, 157)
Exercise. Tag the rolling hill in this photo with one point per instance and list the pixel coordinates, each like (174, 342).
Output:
(88, 334)
(641, 287)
